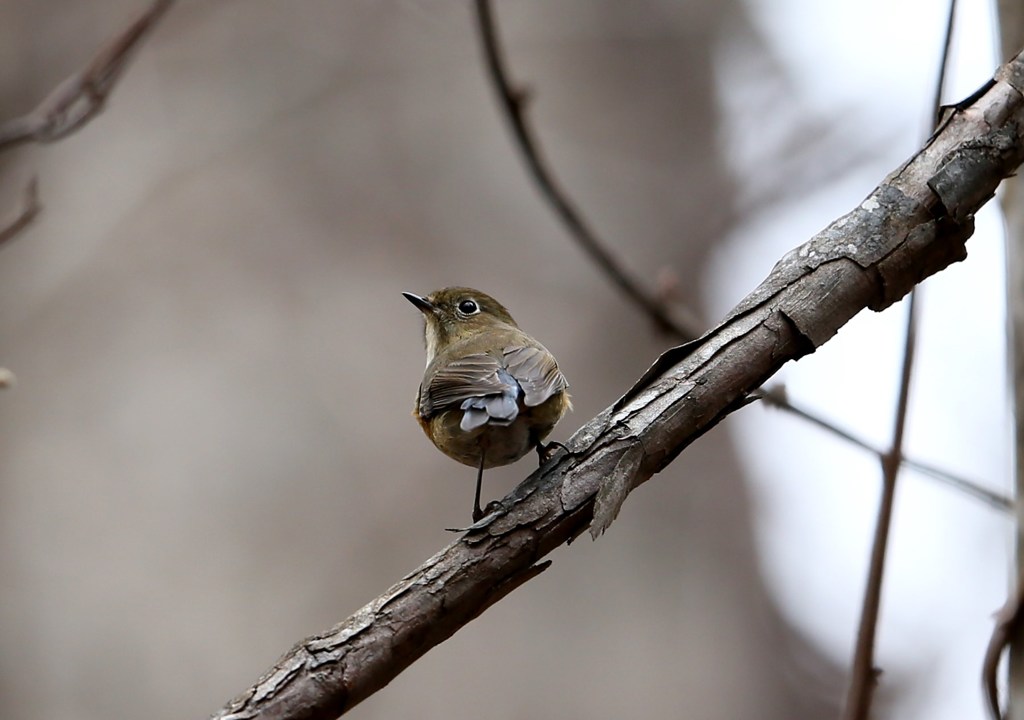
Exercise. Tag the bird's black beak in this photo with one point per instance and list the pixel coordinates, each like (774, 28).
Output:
(421, 302)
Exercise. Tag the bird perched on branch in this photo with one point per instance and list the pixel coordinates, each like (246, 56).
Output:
(490, 392)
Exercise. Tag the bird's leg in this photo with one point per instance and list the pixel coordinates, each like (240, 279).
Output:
(546, 452)
(477, 512)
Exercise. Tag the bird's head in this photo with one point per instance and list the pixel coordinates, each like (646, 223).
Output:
(455, 313)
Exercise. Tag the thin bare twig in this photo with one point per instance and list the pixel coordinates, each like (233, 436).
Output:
(514, 102)
(864, 677)
(865, 674)
(776, 396)
(940, 82)
(30, 208)
(82, 96)
(1011, 37)
(72, 104)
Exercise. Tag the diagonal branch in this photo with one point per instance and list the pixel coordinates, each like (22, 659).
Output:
(911, 226)
(514, 101)
(82, 96)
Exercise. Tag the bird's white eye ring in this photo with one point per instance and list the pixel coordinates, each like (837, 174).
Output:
(468, 306)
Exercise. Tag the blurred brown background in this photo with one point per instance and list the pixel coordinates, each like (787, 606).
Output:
(209, 452)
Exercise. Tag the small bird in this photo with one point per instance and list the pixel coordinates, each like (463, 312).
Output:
(490, 392)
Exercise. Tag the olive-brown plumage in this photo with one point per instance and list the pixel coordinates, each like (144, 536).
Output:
(490, 392)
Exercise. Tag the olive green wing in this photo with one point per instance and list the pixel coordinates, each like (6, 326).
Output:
(537, 373)
(469, 378)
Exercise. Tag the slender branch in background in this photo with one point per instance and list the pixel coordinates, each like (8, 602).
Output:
(911, 226)
(775, 396)
(30, 208)
(997, 500)
(72, 104)
(940, 81)
(864, 674)
(514, 102)
(1011, 38)
(80, 97)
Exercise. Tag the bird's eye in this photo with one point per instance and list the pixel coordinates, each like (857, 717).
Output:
(468, 307)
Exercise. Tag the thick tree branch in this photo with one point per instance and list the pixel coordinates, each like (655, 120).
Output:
(82, 96)
(911, 226)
